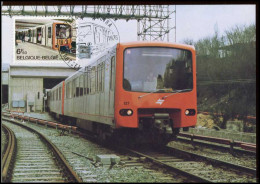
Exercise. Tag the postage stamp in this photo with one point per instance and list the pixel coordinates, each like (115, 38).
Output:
(39, 39)
(72, 40)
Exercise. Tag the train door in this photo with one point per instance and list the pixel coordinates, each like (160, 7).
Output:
(30, 35)
(43, 35)
(39, 35)
(112, 85)
(49, 36)
(34, 36)
(99, 87)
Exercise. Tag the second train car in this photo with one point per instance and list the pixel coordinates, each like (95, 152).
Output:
(138, 90)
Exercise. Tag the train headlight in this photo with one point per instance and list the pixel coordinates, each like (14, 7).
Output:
(126, 112)
(129, 112)
(187, 112)
(190, 112)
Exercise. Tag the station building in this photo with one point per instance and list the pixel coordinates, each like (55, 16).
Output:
(29, 83)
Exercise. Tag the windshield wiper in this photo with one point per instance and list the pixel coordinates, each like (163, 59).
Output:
(158, 90)
(173, 92)
(176, 91)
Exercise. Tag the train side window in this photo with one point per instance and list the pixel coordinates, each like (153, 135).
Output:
(49, 32)
(73, 88)
(112, 73)
(93, 80)
(89, 82)
(59, 93)
(81, 85)
(97, 78)
(68, 90)
(77, 86)
(102, 76)
(85, 83)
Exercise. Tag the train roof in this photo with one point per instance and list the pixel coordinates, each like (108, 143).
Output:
(157, 43)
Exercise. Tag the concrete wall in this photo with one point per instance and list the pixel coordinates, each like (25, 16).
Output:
(237, 136)
(26, 89)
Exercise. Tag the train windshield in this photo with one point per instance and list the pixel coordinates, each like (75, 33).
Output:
(63, 31)
(157, 69)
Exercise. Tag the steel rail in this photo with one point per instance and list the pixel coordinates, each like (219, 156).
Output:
(170, 167)
(68, 168)
(44, 122)
(8, 153)
(240, 168)
(216, 146)
(184, 155)
(232, 143)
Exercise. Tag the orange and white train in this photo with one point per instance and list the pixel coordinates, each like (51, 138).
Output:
(138, 90)
(55, 35)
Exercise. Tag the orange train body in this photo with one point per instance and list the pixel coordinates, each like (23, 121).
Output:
(175, 104)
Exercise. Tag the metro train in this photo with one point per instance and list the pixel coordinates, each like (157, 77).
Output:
(54, 35)
(141, 91)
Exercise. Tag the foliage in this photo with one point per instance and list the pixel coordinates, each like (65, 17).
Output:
(224, 65)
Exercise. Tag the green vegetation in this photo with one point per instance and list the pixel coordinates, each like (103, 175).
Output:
(226, 73)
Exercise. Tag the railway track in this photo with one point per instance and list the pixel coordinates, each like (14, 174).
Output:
(8, 152)
(36, 158)
(195, 167)
(226, 148)
(221, 152)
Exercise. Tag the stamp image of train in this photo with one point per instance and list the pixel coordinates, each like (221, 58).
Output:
(56, 35)
(139, 91)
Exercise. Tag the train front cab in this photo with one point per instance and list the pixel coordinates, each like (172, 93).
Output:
(155, 87)
(61, 37)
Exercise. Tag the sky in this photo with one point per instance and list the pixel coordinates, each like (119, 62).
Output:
(192, 22)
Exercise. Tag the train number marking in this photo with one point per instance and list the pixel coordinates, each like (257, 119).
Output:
(126, 103)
